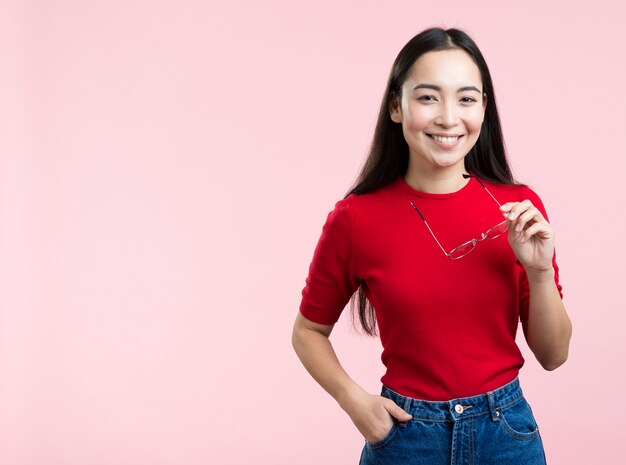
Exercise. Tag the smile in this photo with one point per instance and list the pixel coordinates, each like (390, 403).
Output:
(445, 140)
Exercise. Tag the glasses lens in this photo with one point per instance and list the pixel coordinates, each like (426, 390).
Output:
(497, 230)
(462, 250)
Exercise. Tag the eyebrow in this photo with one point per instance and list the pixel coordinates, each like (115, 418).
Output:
(434, 87)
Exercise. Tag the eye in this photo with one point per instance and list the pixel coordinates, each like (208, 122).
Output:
(468, 100)
(426, 98)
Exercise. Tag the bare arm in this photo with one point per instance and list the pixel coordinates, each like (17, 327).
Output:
(311, 343)
(370, 413)
(548, 329)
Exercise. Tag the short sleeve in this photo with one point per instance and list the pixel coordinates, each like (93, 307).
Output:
(331, 280)
(524, 291)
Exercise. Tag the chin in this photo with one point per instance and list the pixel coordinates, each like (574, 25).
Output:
(448, 163)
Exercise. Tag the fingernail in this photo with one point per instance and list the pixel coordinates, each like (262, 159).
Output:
(512, 215)
(518, 227)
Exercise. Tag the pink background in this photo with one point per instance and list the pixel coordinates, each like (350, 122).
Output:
(166, 170)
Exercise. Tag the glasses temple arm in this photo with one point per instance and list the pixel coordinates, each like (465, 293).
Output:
(484, 187)
(431, 231)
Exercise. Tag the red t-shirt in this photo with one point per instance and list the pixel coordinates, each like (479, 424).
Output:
(447, 327)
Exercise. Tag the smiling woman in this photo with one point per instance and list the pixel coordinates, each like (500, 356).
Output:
(441, 110)
(447, 320)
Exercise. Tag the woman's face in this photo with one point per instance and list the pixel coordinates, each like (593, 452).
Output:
(441, 110)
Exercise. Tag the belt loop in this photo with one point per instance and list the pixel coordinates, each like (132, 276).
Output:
(495, 414)
(406, 403)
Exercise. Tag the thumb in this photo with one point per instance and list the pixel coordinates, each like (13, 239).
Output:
(395, 411)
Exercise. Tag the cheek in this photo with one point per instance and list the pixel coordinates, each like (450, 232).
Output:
(418, 121)
(474, 122)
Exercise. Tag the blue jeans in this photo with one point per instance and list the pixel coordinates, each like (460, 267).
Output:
(497, 427)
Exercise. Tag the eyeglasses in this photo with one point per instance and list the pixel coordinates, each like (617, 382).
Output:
(465, 248)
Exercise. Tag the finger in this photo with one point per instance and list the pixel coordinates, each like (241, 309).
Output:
(505, 207)
(518, 209)
(514, 236)
(542, 229)
(395, 411)
(532, 214)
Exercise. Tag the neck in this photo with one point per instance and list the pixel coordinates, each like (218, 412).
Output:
(437, 181)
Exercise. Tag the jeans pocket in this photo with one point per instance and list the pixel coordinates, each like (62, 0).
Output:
(518, 421)
(385, 439)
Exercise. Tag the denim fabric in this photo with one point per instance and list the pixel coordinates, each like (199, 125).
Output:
(497, 427)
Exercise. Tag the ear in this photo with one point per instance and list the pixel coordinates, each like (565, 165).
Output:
(395, 110)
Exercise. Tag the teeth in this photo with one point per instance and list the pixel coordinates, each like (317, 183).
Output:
(445, 140)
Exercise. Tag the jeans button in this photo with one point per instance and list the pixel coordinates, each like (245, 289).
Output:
(458, 408)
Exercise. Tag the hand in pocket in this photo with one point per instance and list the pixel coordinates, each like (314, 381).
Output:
(373, 415)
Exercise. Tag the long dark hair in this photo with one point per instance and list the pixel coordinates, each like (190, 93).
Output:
(388, 155)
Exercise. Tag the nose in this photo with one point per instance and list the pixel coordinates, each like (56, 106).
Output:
(448, 116)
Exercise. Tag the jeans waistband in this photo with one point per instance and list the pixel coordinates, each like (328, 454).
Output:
(456, 409)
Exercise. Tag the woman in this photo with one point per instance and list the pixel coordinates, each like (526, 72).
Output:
(420, 244)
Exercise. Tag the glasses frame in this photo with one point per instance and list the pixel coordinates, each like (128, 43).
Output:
(473, 242)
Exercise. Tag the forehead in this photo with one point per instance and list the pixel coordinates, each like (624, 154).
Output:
(445, 68)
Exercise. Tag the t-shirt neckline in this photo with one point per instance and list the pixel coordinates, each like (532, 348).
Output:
(402, 184)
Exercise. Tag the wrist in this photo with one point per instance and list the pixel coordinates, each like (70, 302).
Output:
(538, 276)
(346, 397)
